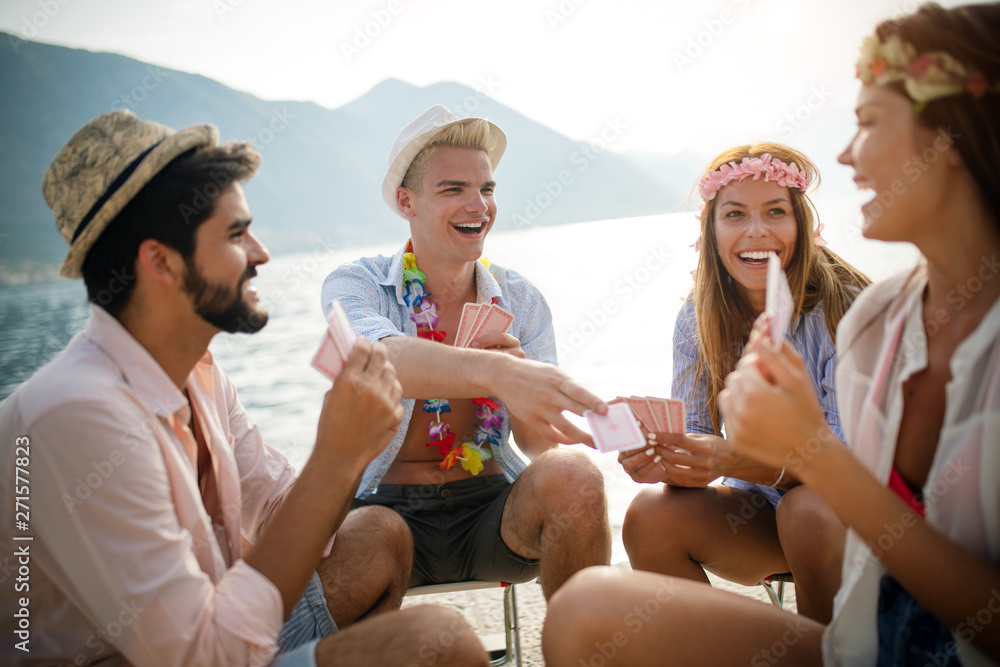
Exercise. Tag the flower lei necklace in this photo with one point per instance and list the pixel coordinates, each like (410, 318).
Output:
(472, 454)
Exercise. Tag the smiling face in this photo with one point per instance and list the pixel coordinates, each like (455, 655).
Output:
(752, 219)
(454, 208)
(903, 163)
(226, 257)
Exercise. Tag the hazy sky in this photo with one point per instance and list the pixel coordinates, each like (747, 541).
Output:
(679, 74)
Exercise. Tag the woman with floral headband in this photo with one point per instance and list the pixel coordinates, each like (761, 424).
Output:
(918, 385)
(755, 203)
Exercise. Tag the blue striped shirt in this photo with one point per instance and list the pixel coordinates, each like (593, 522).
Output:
(810, 339)
(371, 290)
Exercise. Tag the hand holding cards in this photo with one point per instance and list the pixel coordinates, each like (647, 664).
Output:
(481, 319)
(337, 343)
(778, 302)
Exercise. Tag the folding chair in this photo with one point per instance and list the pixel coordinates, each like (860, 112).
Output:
(511, 655)
(775, 587)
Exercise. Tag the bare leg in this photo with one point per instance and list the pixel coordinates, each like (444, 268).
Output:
(557, 512)
(420, 635)
(368, 569)
(607, 616)
(813, 539)
(729, 532)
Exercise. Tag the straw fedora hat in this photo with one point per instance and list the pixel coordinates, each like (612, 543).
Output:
(412, 139)
(102, 167)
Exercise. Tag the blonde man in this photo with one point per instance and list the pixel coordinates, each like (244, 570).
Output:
(450, 471)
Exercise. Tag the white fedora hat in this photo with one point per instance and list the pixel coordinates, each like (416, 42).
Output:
(412, 139)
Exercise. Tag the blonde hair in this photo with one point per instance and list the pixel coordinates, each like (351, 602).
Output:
(471, 133)
(815, 274)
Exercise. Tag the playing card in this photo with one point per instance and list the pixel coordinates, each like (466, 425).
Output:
(338, 341)
(616, 431)
(340, 329)
(495, 320)
(658, 406)
(470, 312)
(328, 360)
(778, 301)
(675, 410)
(642, 412)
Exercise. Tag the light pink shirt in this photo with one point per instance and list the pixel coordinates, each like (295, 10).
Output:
(124, 563)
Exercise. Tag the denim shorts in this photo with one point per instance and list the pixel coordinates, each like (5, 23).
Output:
(309, 622)
(909, 635)
(456, 530)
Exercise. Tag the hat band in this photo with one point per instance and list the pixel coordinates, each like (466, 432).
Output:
(112, 189)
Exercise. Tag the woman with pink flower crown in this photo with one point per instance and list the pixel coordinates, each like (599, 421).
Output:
(918, 383)
(755, 202)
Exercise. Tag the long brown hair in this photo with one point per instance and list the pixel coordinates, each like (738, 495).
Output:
(815, 274)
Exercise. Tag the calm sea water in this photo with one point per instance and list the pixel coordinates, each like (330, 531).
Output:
(614, 288)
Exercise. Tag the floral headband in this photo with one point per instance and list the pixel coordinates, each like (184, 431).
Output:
(925, 77)
(771, 168)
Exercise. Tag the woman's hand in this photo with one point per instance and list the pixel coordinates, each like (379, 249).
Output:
(693, 460)
(770, 407)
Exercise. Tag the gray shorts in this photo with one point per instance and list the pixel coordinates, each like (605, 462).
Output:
(456, 530)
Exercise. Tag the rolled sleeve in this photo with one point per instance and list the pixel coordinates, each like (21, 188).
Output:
(359, 287)
(131, 566)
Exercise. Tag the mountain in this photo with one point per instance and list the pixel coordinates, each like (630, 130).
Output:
(323, 168)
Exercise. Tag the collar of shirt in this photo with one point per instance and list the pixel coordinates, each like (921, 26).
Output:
(143, 374)
(487, 287)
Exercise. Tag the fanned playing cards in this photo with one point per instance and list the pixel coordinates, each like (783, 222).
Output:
(337, 343)
(655, 415)
(778, 303)
(481, 319)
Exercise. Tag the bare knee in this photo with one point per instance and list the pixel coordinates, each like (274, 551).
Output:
(655, 514)
(567, 482)
(807, 524)
(449, 637)
(382, 524)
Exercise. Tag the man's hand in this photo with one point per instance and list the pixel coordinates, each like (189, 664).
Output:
(362, 411)
(693, 460)
(499, 342)
(537, 393)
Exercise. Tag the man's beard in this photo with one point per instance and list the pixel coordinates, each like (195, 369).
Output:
(219, 306)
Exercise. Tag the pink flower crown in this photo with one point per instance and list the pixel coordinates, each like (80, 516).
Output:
(771, 168)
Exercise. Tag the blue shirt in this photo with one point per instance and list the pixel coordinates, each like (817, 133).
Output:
(371, 290)
(810, 339)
